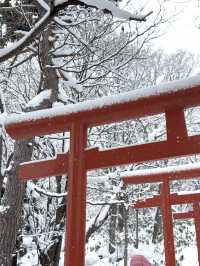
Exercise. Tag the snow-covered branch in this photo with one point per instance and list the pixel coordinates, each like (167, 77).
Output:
(50, 11)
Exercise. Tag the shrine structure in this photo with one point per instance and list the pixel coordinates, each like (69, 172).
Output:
(171, 99)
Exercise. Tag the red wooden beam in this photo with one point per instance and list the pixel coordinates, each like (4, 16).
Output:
(125, 155)
(183, 215)
(175, 199)
(44, 168)
(175, 125)
(146, 152)
(152, 176)
(49, 121)
(148, 203)
(170, 258)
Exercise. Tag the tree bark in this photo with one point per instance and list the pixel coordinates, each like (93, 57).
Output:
(12, 202)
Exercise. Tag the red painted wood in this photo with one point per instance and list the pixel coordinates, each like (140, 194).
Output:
(173, 175)
(175, 125)
(170, 258)
(99, 159)
(187, 198)
(174, 198)
(141, 153)
(39, 169)
(183, 215)
(154, 201)
(118, 112)
(76, 199)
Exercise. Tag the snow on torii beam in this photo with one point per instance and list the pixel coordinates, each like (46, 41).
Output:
(171, 98)
(170, 173)
(176, 95)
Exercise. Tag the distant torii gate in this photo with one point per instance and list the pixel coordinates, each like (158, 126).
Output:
(165, 200)
(172, 99)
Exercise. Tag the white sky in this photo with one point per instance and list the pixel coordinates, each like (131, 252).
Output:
(182, 31)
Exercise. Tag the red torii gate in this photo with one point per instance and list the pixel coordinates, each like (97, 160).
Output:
(165, 200)
(171, 99)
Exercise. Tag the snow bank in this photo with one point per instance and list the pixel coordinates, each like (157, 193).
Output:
(189, 256)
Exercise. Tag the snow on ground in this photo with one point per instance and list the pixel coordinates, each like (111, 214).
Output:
(151, 253)
(189, 256)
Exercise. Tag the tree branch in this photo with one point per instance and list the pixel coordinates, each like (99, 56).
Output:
(106, 6)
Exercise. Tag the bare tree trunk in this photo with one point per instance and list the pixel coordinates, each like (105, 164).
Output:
(98, 222)
(1, 177)
(10, 217)
(12, 202)
(137, 229)
(126, 211)
(157, 229)
(1, 150)
(112, 228)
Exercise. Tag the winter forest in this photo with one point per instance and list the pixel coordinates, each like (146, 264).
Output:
(56, 53)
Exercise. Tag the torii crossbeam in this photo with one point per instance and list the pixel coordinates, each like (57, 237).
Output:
(172, 99)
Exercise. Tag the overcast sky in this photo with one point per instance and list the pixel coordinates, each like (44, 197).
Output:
(182, 31)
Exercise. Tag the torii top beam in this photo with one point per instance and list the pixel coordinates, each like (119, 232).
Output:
(174, 95)
(170, 173)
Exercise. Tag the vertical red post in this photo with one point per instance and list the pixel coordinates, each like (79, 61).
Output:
(170, 259)
(176, 127)
(76, 200)
(197, 226)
